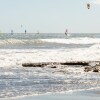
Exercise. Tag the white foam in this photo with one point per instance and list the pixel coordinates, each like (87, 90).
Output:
(62, 41)
(96, 46)
(18, 41)
(15, 57)
(74, 40)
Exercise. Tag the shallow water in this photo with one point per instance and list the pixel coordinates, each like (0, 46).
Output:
(35, 81)
(15, 49)
(48, 40)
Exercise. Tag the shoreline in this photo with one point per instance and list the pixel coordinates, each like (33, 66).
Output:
(91, 94)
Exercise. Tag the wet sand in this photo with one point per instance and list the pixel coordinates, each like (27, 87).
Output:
(60, 97)
(93, 94)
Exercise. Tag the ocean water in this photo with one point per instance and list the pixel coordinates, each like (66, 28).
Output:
(47, 40)
(16, 49)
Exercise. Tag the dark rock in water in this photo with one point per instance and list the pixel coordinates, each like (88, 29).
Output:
(34, 64)
(76, 63)
(42, 64)
(87, 69)
(53, 66)
(95, 70)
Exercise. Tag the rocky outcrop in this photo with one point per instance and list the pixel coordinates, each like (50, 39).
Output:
(95, 68)
(42, 64)
(34, 64)
(89, 66)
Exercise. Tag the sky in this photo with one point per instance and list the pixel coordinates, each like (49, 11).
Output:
(49, 16)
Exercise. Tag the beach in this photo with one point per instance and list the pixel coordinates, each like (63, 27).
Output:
(56, 78)
(93, 94)
(49, 50)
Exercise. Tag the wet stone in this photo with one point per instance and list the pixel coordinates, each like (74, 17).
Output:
(87, 69)
(95, 70)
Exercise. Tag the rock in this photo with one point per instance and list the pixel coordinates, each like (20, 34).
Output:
(34, 64)
(42, 64)
(95, 70)
(76, 63)
(87, 69)
(53, 67)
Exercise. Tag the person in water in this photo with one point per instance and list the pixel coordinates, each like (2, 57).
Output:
(66, 32)
(88, 5)
(25, 31)
(11, 31)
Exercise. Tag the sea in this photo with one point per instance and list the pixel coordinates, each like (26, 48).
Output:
(18, 48)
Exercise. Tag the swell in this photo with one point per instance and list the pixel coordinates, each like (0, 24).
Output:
(53, 40)
(19, 41)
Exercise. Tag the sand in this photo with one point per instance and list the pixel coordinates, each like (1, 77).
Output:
(93, 94)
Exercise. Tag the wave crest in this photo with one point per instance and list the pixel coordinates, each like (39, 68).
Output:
(96, 46)
(17, 41)
(53, 40)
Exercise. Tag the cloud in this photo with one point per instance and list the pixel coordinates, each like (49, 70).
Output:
(96, 2)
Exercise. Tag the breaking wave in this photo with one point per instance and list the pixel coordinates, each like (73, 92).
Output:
(17, 41)
(96, 46)
(54, 40)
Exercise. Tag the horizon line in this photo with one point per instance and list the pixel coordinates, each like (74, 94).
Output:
(46, 32)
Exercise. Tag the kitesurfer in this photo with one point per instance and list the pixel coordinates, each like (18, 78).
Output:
(66, 32)
(88, 5)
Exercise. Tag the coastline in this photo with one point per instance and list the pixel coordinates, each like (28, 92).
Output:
(63, 68)
(92, 94)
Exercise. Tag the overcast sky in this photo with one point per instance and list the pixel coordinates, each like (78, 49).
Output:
(49, 16)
